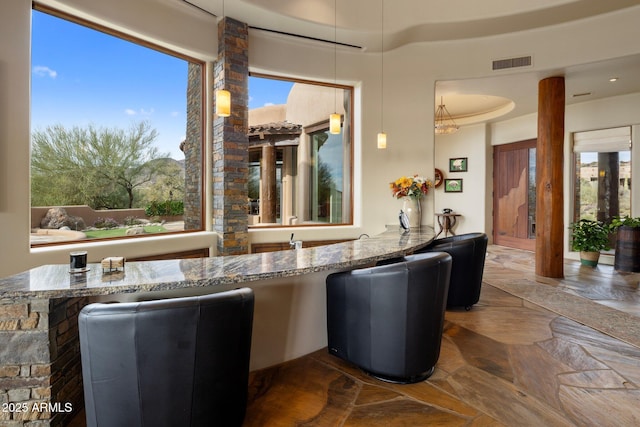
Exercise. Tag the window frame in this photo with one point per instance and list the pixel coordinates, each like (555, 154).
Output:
(315, 127)
(202, 113)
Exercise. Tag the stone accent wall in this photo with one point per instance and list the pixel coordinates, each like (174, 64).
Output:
(40, 368)
(230, 140)
(192, 148)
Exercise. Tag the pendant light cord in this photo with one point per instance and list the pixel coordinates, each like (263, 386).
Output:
(382, 65)
(335, 55)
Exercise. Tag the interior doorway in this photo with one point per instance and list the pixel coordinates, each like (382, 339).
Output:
(514, 195)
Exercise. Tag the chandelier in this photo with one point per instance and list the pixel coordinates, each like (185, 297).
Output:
(444, 123)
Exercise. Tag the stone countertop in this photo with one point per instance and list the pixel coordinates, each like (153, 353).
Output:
(55, 281)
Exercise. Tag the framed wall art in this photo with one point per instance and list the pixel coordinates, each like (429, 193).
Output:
(453, 185)
(459, 164)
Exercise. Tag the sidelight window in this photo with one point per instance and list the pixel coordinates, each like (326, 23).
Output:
(602, 161)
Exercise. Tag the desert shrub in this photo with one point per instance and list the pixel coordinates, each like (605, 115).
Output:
(132, 220)
(105, 223)
(165, 208)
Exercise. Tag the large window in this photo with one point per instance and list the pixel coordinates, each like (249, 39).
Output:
(299, 173)
(602, 174)
(116, 136)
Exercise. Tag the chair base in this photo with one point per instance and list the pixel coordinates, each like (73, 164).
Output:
(401, 380)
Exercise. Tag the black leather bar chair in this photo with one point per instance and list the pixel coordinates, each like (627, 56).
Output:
(388, 319)
(468, 252)
(171, 362)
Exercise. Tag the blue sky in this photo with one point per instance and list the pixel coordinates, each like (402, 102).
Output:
(81, 76)
(267, 92)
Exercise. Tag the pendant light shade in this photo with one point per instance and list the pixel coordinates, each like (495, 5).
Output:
(334, 123)
(382, 140)
(223, 103)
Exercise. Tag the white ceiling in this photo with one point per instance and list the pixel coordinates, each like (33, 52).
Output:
(359, 23)
(582, 83)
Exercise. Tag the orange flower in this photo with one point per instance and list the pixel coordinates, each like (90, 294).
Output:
(415, 186)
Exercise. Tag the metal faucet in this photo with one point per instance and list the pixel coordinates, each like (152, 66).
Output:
(295, 244)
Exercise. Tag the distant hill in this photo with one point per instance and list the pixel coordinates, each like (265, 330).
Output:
(167, 164)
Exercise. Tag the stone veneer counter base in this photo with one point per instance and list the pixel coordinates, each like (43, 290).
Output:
(40, 367)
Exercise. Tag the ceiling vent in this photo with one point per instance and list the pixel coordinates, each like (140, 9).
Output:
(501, 64)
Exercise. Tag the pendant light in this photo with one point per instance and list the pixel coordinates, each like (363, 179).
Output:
(335, 118)
(382, 136)
(223, 97)
(223, 103)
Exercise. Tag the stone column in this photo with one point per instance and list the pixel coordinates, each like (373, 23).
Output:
(192, 148)
(230, 140)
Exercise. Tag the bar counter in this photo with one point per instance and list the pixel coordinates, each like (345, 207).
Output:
(39, 346)
(55, 281)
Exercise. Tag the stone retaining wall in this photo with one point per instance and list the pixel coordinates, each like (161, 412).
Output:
(88, 214)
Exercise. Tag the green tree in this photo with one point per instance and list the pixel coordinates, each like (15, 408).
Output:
(325, 189)
(100, 167)
(167, 186)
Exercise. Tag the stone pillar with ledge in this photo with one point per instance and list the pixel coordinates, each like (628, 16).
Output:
(230, 140)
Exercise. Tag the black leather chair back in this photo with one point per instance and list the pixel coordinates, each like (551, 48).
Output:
(388, 319)
(468, 252)
(172, 362)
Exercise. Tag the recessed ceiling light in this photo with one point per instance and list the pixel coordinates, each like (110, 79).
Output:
(613, 79)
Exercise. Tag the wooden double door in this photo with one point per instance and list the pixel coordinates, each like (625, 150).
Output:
(514, 195)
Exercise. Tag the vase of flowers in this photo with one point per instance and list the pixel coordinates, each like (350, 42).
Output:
(411, 190)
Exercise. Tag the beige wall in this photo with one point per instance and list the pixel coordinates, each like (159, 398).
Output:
(267, 114)
(468, 142)
(410, 75)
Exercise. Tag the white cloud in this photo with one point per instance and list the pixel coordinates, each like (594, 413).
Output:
(142, 112)
(175, 113)
(268, 104)
(42, 71)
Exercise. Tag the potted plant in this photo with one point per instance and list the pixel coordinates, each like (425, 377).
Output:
(589, 237)
(627, 257)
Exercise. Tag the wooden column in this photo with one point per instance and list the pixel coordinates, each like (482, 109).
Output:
(268, 197)
(549, 178)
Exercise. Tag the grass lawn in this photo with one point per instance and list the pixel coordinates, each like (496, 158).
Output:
(118, 232)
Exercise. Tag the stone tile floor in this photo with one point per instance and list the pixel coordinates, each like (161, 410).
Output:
(533, 352)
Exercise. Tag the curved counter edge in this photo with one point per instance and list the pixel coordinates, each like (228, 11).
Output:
(55, 281)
